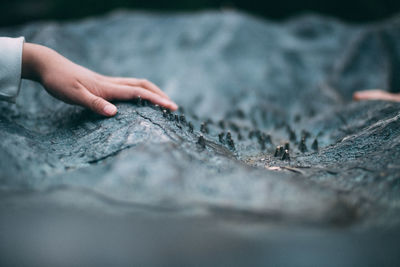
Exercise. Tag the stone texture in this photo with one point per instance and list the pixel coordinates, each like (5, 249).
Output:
(266, 84)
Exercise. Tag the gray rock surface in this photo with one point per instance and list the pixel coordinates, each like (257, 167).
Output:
(72, 178)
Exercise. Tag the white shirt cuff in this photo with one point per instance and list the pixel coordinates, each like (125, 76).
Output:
(10, 67)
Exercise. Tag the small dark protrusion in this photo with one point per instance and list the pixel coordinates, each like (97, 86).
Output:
(204, 128)
(176, 117)
(145, 103)
(201, 142)
(240, 137)
(240, 114)
(209, 121)
(267, 138)
(285, 155)
(261, 141)
(234, 127)
(231, 144)
(297, 118)
(182, 119)
(287, 146)
(139, 101)
(257, 133)
(229, 140)
(190, 125)
(221, 124)
(262, 138)
(171, 116)
(251, 134)
(278, 151)
(164, 113)
(314, 145)
(302, 145)
(221, 138)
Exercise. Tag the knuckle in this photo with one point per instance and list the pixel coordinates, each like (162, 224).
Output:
(144, 82)
(76, 85)
(96, 103)
(135, 92)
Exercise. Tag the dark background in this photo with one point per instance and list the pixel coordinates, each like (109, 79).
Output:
(21, 11)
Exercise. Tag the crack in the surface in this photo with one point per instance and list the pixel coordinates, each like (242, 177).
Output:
(129, 146)
(157, 124)
(110, 154)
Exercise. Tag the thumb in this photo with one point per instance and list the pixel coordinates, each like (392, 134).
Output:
(98, 104)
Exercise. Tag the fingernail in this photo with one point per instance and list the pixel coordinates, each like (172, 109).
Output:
(110, 110)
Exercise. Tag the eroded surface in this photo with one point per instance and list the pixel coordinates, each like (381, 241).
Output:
(265, 84)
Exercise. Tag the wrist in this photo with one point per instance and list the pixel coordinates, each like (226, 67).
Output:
(33, 61)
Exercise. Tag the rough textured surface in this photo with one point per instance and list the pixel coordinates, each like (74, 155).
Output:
(246, 86)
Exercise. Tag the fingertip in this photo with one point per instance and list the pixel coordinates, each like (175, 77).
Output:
(174, 106)
(362, 95)
(168, 104)
(356, 96)
(110, 110)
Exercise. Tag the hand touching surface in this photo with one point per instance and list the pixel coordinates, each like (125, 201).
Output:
(75, 84)
(376, 95)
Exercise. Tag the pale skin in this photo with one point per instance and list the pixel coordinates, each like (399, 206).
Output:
(376, 95)
(77, 85)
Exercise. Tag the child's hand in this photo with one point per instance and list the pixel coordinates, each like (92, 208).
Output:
(75, 84)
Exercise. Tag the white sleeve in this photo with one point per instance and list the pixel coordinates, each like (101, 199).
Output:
(10, 67)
